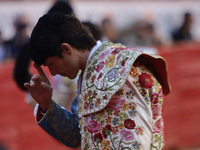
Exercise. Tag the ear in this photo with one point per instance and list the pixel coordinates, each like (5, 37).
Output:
(66, 48)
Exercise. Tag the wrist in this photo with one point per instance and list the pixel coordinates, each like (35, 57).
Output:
(44, 107)
(42, 111)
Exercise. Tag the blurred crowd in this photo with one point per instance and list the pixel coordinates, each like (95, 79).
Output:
(140, 33)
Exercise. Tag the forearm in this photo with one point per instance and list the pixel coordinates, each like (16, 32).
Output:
(61, 124)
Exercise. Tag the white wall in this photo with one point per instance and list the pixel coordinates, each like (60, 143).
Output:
(164, 14)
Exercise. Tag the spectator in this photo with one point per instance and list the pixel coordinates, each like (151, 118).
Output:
(183, 33)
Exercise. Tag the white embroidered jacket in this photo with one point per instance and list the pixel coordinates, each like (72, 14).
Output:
(121, 103)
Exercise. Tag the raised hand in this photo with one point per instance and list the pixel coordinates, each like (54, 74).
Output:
(40, 88)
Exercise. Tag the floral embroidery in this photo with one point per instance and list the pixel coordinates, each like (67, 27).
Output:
(158, 126)
(117, 50)
(85, 97)
(93, 78)
(104, 54)
(108, 120)
(119, 92)
(125, 106)
(112, 75)
(105, 145)
(122, 72)
(156, 110)
(154, 98)
(116, 113)
(106, 130)
(115, 121)
(137, 145)
(121, 125)
(86, 105)
(97, 102)
(132, 113)
(143, 92)
(109, 111)
(147, 100)
(139, 131)
(127, 135)
(100, 75)
(86, 147)
(111, 126)
(93, 126)
(124, 61)
(130, 95)
(110, 61)
(116, 103)
(88, 75)
(129, 124)
(100, 66)
(98, 138)
(132, 106)
(133, 72)
(145, 81)
(123, 116)
(94, 94)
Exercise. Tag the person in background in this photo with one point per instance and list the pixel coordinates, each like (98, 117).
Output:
(20, 39)
(120, 89)
(142, 33)
(183, 33)
(109, 31)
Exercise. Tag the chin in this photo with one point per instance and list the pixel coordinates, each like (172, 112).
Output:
(69, 76)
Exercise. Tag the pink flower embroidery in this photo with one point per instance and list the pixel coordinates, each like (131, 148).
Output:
(100, 66)
(122, 72)
(145, 81)
(93, 126)
(116, 103)
(104, 54)
(156, 110)
(158, 126)
(127, 135)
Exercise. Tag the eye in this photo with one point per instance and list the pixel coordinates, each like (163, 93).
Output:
(50, 64)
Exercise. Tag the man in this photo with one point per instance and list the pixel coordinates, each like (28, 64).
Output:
(120, 89)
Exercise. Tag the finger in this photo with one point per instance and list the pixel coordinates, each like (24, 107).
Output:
(42, 73)
(27, 85)
(46, 86)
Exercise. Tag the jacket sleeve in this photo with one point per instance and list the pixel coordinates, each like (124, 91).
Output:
(61, 124)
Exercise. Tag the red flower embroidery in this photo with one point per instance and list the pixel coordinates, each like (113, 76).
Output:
(100, 75)
(145, 81)
(117, 50)
(100, 66)
(86, 105)
(93, 78)
(98, 137)
(124, 61)
(129, 124)
(88, 75)
(154, 98)
(106, 130)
